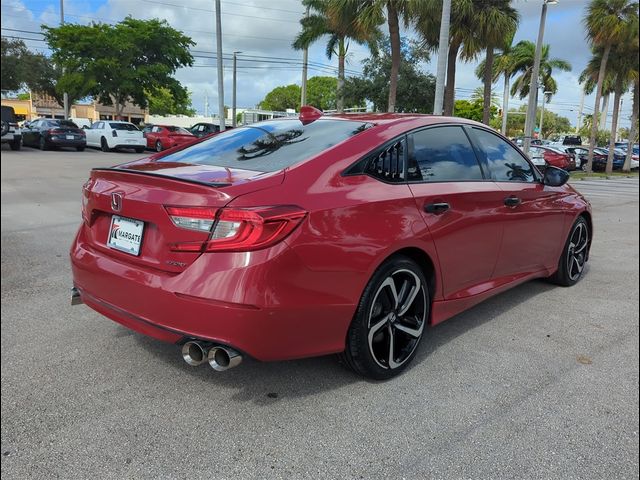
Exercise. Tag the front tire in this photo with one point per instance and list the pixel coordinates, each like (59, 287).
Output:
(574, 255)
(389, 322)
(158, 146)
(15, 145)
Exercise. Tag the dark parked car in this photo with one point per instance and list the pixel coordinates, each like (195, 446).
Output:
(47, 133)
(10, 129)
(307, 236)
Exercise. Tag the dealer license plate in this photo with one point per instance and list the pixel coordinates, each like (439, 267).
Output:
(125, 234)
(70, 137)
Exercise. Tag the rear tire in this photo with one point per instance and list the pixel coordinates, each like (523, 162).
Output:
(139, 149)
(389, 322)
(104, 146)
(159, 146)
(574, 255)
(80, 149)
(43, 144)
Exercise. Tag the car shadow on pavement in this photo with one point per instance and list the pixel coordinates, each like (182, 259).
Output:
(265, 383)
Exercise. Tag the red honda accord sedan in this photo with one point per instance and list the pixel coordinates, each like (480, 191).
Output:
(315, 235)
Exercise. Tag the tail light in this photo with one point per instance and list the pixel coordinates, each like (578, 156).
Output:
(55, 131)
(114, 133)
(236, 229)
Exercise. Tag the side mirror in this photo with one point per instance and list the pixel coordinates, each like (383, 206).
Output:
(85, 127)
(555, 177)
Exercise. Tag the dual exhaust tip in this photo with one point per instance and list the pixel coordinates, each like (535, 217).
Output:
(219, 358)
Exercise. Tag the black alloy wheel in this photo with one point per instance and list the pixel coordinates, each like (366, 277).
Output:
(390, 320)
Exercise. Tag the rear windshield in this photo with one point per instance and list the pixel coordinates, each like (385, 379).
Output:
(180, 130)
(268, 146)
(62, 123)
(124, 126)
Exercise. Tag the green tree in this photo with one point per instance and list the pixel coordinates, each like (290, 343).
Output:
(321, 92)
(336, 19)
(11, 54)
(47, 77)
(163, 102)
(471, 109)
(608, 22)
(523, 57)
(415, 90)
(281, 98)
(122, 62)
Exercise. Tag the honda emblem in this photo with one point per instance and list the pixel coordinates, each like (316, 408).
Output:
(116, 202)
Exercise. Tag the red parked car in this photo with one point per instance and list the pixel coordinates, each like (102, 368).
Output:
(554, 157)
(343, 234)
(162, 137)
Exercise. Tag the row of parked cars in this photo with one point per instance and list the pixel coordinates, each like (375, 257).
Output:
(569, 154)
(107, 135)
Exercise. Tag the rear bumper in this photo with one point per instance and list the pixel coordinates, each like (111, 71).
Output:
(60, 142)
(264, 309)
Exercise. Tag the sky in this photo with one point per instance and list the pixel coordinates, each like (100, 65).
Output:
(263, 31)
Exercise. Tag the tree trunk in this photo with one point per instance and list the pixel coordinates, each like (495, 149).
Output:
(505, 104)
(594, 121)
(614, 128)
(449, 91)
(394, 34)
(605, 112)
(340, 88)
(488, 82)
(632, 130)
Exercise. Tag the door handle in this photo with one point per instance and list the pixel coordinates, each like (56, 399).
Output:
(512, 201)
(436, 208)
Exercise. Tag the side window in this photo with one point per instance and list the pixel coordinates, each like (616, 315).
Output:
(155, 129)
(388, 164)
(505, 162)
(442, 154)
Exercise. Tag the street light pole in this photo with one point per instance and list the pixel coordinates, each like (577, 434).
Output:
(219, 62)
(65, 95)
(305, 61)
(442, 57)
(233, 105)
(533, 87)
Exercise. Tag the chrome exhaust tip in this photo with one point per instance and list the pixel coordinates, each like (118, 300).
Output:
(76, 299)
(194, 353)
(223, 358)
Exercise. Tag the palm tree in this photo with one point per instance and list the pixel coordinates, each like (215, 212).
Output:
(497, 22)
(504, 64)
(634, 125)
(338, 19)
(523, 56)
(372, 14)
(464, 38)
(608, 22)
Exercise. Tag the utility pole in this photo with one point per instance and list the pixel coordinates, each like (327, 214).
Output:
(233, 105)
(65, 95)
(530, 119)
(442, 57)
(305, 60)
(580, 111)
(206, 104)
(220, 71)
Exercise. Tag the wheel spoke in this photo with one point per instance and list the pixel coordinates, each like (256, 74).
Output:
(410, 298)
(579, 266)
(414, 332)
(388, 282)
(391, 362)
(376, 328)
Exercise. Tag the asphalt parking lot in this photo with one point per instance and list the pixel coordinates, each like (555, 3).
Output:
(539, 382)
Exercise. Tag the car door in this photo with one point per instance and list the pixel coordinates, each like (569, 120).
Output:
(27, 133)
(458, 205)
(153, 136)
(533, 214)
(93, 135)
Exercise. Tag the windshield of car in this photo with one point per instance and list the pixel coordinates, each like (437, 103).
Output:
(268, 146)
(179, 130)
(124, 126)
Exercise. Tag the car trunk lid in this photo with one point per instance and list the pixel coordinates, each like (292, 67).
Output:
(146, 192)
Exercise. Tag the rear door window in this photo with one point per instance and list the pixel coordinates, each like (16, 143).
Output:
(442, 154)
(268, 146)
(124, 126)
(505, 162)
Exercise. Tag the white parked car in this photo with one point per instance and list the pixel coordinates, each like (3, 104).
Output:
(537, 157)
(112, 134)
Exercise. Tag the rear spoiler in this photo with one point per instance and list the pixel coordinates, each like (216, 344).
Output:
(169, 177)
